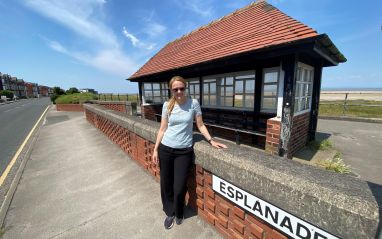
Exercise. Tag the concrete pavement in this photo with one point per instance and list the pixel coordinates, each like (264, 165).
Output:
(360, 144)
(92, 190)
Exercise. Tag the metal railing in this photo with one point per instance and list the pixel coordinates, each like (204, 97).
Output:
(119, 97)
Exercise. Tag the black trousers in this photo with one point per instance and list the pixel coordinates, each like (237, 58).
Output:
(174, 165)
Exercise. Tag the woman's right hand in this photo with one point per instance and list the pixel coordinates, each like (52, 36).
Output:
(155, 157)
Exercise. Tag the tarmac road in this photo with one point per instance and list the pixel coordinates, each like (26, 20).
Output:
(360, 144)
(16, 120)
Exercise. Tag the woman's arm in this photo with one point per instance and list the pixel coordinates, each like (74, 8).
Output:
(203, 129)
(162, 129)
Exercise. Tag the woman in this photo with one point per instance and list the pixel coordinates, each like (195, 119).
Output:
(173, 148)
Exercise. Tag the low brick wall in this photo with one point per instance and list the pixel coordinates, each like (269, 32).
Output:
(69, 107)
(341, 205)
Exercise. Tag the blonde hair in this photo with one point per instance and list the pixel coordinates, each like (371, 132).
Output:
(172, 101)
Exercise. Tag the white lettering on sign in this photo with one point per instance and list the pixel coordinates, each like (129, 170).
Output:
(282, 220)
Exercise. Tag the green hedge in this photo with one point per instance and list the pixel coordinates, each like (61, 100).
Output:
(75, 98)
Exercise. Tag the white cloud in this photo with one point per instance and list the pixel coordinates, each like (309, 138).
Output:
(203, 8)
(136, 42)
(154, 29)
(57, 47)
(130, 36)
(85, 19)
(112, 61)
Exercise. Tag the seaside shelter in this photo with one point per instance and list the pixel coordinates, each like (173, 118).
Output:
(256, 73)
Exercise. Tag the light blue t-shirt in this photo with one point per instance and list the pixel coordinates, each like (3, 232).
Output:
(179, 128)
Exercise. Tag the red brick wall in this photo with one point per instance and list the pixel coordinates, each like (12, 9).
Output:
(273, 136)
(117, 106)
(69, 107)
(228, 219)
(299, 133)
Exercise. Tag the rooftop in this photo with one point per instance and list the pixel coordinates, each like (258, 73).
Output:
(256, 26)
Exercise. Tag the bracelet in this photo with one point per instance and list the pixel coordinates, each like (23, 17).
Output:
(209, 141)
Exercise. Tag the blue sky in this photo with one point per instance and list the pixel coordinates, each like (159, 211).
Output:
(99, 43)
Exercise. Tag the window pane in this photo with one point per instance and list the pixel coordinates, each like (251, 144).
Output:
(229, 80)
(238, 87)
(156, 86)
(206, 88)
(229, 91)
(250, 86)
(303, 104)
(269, 103)
(147, 86)
(148, 94)
(164, 86)
(305, 77)
(270, 90)
(238, 101)
(212, 99)
(271, 77)
(298, 90)
(212, 88)
(299, 74)
(245, 76)
(249, 101)
(307, 106)
(206, 100)
(228, 101)
(311, 76)
(156, 93)
(222, 91)
(197, 90)
(310, 87)
(296, 106)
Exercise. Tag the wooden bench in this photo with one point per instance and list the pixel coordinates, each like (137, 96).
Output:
(237, 131)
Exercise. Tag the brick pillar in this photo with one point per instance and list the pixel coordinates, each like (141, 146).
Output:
(152, 111)
(131, 108)
(272, 143)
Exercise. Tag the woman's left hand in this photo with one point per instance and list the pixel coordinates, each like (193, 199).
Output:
(218, 144)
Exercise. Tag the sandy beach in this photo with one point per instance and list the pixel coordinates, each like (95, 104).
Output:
(352, 95)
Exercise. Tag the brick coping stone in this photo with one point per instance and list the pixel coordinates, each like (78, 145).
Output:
(340, 204)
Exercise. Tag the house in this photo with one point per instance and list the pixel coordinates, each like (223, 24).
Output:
(87, 90)
(256, 73)
(32, 90)
(43, 90)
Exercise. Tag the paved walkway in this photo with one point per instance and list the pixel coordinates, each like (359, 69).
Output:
(78, 184)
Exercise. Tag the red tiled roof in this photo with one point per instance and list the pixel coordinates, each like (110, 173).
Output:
(256, 26)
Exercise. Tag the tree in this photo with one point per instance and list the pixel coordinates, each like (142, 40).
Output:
(9, 94)
(58, 91)
(72, 90)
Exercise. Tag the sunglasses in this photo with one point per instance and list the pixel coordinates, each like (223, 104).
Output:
(177, 89)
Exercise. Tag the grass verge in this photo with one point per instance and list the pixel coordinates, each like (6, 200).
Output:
(75, 98)
(355, 108)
